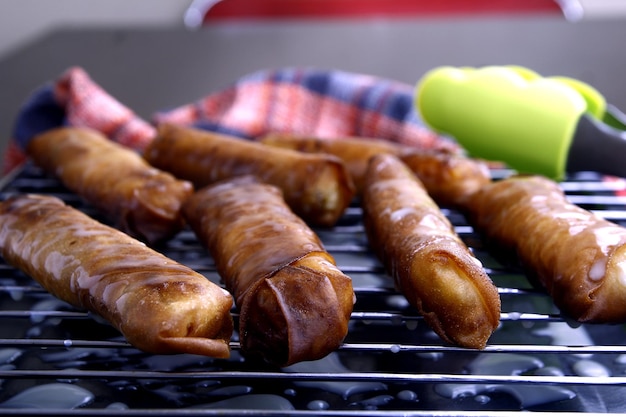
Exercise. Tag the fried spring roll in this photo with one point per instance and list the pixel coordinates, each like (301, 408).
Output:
(294, 303)
(159, 305)
(429, 263)
(449, 177)
(139, 199)
(354, 152)
(578, 257)
(317, 187)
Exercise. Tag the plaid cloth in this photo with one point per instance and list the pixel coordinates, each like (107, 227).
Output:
(291, 100)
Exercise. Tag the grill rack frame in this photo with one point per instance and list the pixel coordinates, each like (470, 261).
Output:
(589, 190)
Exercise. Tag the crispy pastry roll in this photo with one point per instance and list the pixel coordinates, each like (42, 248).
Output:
(316, 187)
(429, 263)
(578, 257)
(449, 177)
(354, 152)
(294, 303)
(159, 305)
(139, 199)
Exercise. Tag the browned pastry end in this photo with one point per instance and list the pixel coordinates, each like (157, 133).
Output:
(449, 177)
(294, 303)
(139, 199)
(317, 187)
(429, 263)
(579, 257)
(159, 305)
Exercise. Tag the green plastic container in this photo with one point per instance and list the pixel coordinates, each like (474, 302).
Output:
(509, 114)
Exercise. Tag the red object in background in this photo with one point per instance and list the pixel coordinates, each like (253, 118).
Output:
(266, 9)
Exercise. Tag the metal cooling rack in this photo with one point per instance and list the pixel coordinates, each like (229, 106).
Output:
(68, 362)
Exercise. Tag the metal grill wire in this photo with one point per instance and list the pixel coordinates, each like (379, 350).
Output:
(68, 362)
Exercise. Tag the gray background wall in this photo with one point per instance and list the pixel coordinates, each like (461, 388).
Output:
(142, 54)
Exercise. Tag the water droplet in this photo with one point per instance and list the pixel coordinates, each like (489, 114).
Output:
(395, 349)
(318, 405)
(250, 401)
(118, 383)
(398, 302)
(117, 406)
(457, 390)
(33, 332)
(433, 356)
(6, 367)
(75, 354)
(503, 364)
(411, 324)
(572, 323)
(621, 359)
(375, 402)
(173, 362)
(232, 390)
(531, 396)
(16, 295)
(56, 395)
(207, 384)
(407, 395)
(170, 392)
(563, 334)
(514, 316)
(290, 392)
(507, 364)
(38, 310)
(332, 364)
(588, 367)
(482, 399)
(8, 355)
(549, 371)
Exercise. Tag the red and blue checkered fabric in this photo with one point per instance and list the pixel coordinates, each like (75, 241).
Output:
(290, 100)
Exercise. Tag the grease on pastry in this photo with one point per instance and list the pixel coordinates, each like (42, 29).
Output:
(294, 303)
(577, 256)
(138, 198)
(316, 187)
(159, 305)
(429, 263)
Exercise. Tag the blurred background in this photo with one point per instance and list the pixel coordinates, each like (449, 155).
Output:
(156, 54)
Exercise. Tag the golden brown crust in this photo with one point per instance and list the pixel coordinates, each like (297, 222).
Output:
(159, 305)
(429, 263)
(141, 200)
(316, 187)
(295, 304)
(449, 177)
(578, 257)
(354, 152)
